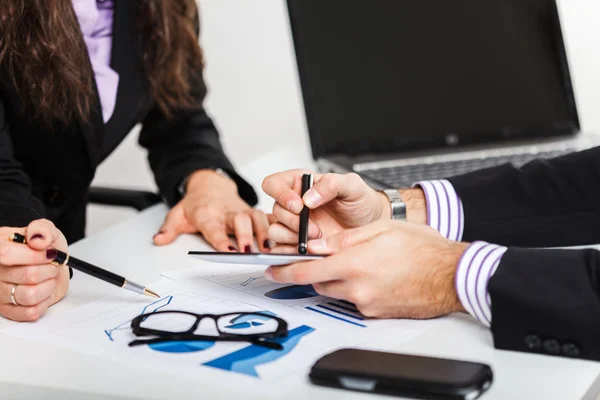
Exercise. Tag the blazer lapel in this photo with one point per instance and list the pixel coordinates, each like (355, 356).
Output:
(126, 58)
(92, 129)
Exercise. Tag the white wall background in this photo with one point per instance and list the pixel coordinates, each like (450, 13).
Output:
(255, 98)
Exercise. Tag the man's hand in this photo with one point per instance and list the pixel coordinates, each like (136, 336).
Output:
(337, 202)
(213, 208)
(388, 269)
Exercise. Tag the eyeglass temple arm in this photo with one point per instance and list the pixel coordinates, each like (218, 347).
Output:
(258, 342)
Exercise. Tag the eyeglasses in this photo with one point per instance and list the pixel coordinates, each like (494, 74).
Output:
(168, 326)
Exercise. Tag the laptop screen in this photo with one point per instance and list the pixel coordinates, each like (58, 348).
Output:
(390, 75)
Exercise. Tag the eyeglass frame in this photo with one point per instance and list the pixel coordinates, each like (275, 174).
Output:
(166, 336)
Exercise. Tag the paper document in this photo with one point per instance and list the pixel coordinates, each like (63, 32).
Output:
(102, 328)
(316, 326)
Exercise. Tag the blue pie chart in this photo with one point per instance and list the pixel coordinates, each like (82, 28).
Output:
(292, 293)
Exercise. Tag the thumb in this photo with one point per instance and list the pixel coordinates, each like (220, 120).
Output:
(175, 224)
(347, 238)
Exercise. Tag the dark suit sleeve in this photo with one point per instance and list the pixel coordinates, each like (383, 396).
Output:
(18, 207)
(547, 301)
(186, 143)
(542, 204)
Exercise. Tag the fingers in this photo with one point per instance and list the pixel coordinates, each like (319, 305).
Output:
(348, 265)
(215, 233)
(28, 275)
(27, 295)
(175, 224)
(281, 187)
(12, 254)
(260, 222)
(42, 234)
(285, 249)
(335, 186)
(306, 273)
(242, 227)
(24, 314)
(292, 221)
(281, 234)
(349, 238)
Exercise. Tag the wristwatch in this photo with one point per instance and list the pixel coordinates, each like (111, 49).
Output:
(181, 189)
(397, 206)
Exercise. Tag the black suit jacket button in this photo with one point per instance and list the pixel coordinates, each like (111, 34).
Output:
(551, 346)
(570, 350)
(53, 196)
(533, 342)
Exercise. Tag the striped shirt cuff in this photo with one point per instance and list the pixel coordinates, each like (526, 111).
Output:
(444, 209)
(475, 268)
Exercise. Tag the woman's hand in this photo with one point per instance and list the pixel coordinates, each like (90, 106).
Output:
(388, 269)
(213, 208)
(26, 268)
(337, 202)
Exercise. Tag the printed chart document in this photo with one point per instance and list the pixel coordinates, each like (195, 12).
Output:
(316, 326)
(103, 328)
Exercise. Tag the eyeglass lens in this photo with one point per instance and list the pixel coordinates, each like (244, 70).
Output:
(235, 324)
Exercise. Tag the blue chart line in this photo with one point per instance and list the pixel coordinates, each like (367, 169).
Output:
(335, 317)
(125, 325)
(248, 281)
(340, 312)
(246, 360)
(354, 310)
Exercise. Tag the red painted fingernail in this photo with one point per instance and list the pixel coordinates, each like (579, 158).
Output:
(266, 244)
(247, 249)
(51, 254)
(231, 248)
(37, 236)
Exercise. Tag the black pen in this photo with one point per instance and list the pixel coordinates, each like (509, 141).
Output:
(96, 272)
(307, 182)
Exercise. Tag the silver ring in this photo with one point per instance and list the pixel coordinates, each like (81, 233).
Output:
(12, 295)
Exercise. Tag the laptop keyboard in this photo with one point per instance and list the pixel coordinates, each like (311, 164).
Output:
(406, 175)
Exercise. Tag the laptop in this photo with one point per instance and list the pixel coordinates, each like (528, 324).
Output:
(400, 91)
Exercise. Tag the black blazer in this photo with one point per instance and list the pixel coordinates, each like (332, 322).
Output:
(543, 301)
(47, 173)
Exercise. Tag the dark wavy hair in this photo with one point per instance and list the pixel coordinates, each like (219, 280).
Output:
(43, 55)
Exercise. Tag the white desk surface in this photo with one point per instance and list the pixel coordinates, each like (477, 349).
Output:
(28, 369)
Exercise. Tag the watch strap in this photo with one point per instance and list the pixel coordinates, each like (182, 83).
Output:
(397, 206)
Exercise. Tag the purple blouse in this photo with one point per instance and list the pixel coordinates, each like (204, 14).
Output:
(96, 22)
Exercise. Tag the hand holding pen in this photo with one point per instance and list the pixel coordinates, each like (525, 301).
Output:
(29, 283)
(34, 273)
(337, 202)
(61, 258)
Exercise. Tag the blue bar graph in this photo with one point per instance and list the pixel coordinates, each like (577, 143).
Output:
(351, 309)
(335, 317)
(340, 312)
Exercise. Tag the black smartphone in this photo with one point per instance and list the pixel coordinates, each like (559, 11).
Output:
(402, 375)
